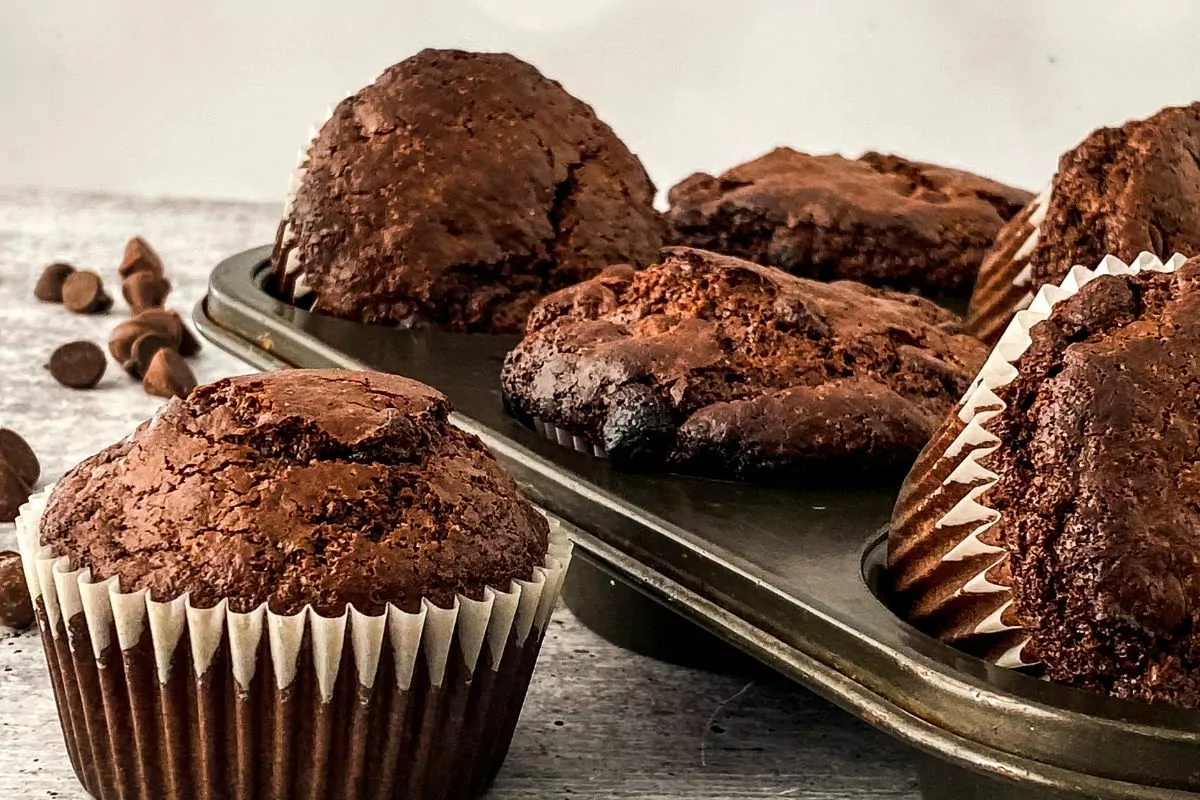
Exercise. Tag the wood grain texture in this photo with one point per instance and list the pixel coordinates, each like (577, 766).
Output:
(600, 722)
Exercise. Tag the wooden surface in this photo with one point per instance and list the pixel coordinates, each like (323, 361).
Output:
(600, 722)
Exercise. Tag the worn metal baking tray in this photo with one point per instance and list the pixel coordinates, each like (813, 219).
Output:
(785, 574)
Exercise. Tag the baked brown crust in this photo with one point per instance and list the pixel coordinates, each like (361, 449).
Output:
(1122, 191)
(880, 219)
(458, 189)
(709, 364)
(299, 487)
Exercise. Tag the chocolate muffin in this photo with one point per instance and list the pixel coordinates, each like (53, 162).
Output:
(458, 189)
(708, 364)
(1038, 527)
(1122, 191)
(320, 552)
(880, 219)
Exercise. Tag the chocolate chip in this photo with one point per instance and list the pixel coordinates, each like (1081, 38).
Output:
(189, 345)
(145, 290)
(166, 323)
(16, 607)
(49, 287)
(168, 375)
(793, 314)
(79, 365)
(14, 492)
(637, 426)
(140, 257)
(120, 341)
(169, 324)
(19, 456)
(143, 351)
(83, 292)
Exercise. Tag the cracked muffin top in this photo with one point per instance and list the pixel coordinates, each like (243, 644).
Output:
(879, 219)
(299, 487)
(458, 189)
(709, 364)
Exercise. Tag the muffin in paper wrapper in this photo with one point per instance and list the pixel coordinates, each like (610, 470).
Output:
(947, 566)
(1005, 282)
(165, 701)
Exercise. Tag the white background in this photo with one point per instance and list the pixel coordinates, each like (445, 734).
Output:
(213, 99)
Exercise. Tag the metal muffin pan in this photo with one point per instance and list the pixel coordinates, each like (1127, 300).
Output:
(787, 575)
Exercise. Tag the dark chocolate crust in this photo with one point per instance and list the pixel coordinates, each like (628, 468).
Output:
(458, 189)
(880, 219)
(299, 487)
(1122, 191)
(709, 364)
(1097, 487)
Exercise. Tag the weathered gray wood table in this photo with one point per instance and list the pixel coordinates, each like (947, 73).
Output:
(600, 722)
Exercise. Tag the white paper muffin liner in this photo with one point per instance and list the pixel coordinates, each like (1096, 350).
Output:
(974, 442)
(1024, 278)
(1005, 282)
(572, 441)
(91, 628)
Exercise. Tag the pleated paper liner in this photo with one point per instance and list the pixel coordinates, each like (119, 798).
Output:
(947, 568)
(1005, 284)
(165, 701)
(572, 441)
(287, 277)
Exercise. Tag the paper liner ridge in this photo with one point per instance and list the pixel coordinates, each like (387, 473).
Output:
(526, 605)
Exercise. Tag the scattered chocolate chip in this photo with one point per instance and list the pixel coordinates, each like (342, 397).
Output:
(164, 322)
(189, 345)
(19, 456)
(49, 287)
(120, 341)
(16, 608)
(145, 290)
(140, 257)
(83, 292)
(13, 492)
(79, 365)
(143, 351)
(171, 325)
(168, 375)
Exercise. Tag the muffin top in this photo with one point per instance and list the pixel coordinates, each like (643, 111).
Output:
(716, 365)
(1098, 487)
(458, 189)
(1120, 192)
(880, 219)
(318, 487)
(1123, 191)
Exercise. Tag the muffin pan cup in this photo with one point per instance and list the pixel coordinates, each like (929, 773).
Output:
(168, 701)
(791, 576)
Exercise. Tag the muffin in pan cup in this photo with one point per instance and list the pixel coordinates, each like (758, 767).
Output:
(710, 365)
(456, 190)
(1051, 522)
(298, 584)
